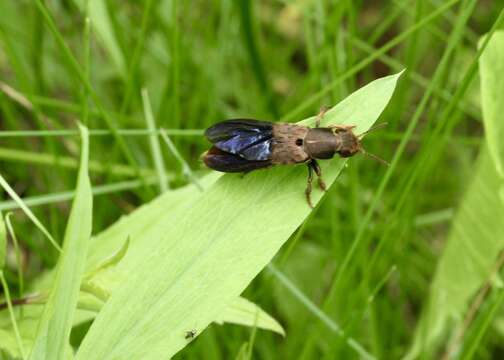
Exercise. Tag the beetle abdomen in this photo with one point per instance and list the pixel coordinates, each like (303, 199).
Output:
(288, 144)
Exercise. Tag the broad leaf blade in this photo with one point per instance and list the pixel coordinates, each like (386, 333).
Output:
(56, 321)
(142, 226)
(145, 224)
(208, 253)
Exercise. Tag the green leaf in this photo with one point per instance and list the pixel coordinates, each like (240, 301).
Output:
(9, 344)
(240, 312)
(244, 312)
(243, 352)
(27, 328)
(143, 225)
(305, 260)
(111, 261)
(3, 242)
(56, 321)
(108, 249)
(492, 90)
(102, 25)
(157, 155)
(477, 233)
(186, 275)
(9, 190)
(476, 237)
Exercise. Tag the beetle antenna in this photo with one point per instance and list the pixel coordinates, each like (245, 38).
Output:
(375, 157)
(376, 127)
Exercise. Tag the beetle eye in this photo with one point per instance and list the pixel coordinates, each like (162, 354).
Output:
(299, 142)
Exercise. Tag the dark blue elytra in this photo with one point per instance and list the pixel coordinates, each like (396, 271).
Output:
(223, 161)
(247, 138)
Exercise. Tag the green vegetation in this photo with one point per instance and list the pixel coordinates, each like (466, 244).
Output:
(117, 243)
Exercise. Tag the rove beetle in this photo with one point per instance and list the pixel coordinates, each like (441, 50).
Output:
(244, 145)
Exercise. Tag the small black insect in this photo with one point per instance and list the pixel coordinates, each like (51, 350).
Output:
(190, 334)
(244, 145)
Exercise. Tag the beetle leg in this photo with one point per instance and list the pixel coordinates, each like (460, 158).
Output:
(309, 186)
(320, 115)
(342, 127)
(318, 171)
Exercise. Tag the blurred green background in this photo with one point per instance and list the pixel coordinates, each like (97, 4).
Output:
(205, 61)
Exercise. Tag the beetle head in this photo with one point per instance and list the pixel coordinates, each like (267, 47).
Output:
(350, 144)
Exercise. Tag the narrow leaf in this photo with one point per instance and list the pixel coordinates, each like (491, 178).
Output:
(492, 90)
(477, 233)
(15, 242)
(56, 322)
(244, 312)
(3, 242)
(156, 153)
(15, 329)
(27, 211)
(209, 252)
(111, 261)
(102, 25)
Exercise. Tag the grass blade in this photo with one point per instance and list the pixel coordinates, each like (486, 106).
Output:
(154, 142)
(20, 203)
(3, 242)
(245, 9)
(333, 326)
(69, 195)
(491, 314)
(477, 234)
(3, 254)
(186, 169)
(17, 250)
(17, 335)
(492, 88)
(100, 19)
(56, 322)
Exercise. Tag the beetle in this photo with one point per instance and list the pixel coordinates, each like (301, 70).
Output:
(244, 145)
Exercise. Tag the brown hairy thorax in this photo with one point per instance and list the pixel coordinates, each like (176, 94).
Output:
(288, 145)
